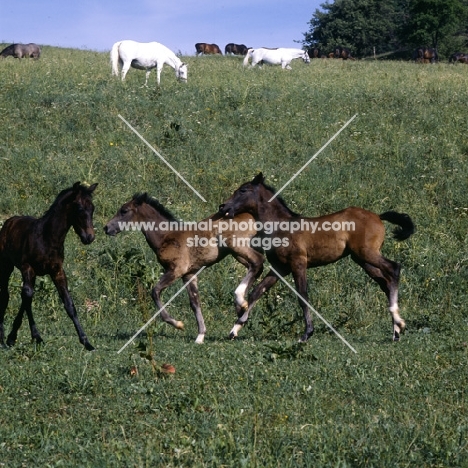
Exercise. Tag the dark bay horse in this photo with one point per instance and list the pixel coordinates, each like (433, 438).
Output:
(235, 49)
(315, 52)
(21, 51)
(207, 49)
(343, 53)
(303, 243)
(458, 57)
(425, 55)
(185, 248)
(36, 247)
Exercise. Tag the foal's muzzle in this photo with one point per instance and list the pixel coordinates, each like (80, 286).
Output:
(87, 238)
(223, 211)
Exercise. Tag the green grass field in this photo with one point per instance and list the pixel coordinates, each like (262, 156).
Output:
(259, 401)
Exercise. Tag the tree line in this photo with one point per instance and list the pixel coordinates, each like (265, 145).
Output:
(385, 27)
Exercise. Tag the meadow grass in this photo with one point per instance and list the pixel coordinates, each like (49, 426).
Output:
(260, 400)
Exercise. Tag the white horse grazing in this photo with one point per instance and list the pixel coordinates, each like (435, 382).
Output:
(281, 56)
(145, 56)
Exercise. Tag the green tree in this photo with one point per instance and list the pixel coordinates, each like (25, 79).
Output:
(430, 22)
(361, 25)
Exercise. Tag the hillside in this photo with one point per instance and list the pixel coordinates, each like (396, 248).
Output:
(235, 403)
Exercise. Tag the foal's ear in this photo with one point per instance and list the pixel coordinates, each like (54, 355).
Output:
(258, 179)
(76, 186)
(92, 188)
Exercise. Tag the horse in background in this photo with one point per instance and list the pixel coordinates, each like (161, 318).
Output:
(458, 57)
(342, 53)
(315, 53)
(21, 51)
(299, 246)
(36, 247)
(235, 49)
(145, 56)
(207, 49)
(425, 55)
(280, 56)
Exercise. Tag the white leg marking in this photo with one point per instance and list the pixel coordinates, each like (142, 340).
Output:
(239, 293)
(235, 329)
(200, 339)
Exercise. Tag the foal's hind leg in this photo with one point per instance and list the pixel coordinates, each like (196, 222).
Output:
(6, 268)
(194, 298)
(166, 280)
(27, 293)
(387, 276)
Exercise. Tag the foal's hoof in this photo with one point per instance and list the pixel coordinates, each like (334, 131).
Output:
(89, 347)
(232, 336)
(396, 337)
(10, 343)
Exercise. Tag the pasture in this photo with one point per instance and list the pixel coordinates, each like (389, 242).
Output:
(263, 399)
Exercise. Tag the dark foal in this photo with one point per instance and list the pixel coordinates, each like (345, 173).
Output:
(303, 243)
(36, 247)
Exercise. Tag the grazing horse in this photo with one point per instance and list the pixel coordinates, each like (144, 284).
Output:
(36, 247)
(281, 56)
(207, 49)
(145, 56)
(458, 57)
(425, 55)
(342, 53)
(21, 51)
(187, 247)
(315, 53)
(302, 243)
(236, 49)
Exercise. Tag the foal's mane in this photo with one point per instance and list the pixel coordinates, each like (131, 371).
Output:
(161, 209)
(280, 199)
(64, 194)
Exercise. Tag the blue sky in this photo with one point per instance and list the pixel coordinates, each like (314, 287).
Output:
(178, 24)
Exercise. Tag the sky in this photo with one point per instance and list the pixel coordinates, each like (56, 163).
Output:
(178, 24)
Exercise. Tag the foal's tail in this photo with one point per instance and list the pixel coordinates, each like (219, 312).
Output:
(406, 226)
(114, 58)
(246, 58)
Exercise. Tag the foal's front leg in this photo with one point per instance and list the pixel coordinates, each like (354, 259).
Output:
(264, 285)
(254, 265)
(300, 280)
(27, 293)
(60, 281)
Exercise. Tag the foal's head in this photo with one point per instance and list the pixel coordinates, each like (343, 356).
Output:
(243, 200)
(253, 197)
(140, 208)
(82, 210)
